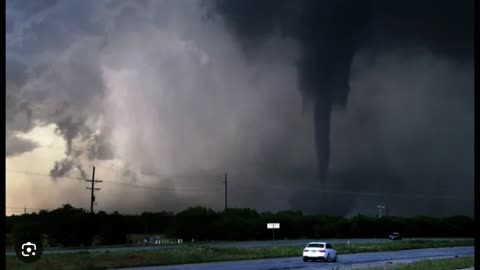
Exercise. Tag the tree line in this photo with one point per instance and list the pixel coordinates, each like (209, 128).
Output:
(70, 226)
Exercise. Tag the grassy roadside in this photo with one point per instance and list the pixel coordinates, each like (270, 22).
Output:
(198, 254)
(439, 264)
(11, 249)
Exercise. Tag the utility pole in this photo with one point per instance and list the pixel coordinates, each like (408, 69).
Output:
(93, 188)
(25, 210)
(226, 193)
(380, 207)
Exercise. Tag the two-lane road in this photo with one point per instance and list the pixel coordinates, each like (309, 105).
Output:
(344, 261)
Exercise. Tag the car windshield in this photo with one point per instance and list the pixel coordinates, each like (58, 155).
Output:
(316, 245)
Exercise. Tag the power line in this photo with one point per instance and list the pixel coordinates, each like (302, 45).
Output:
(22, 208)
(44, 175)
(153, 188)
(361, 193)
(114, 168)
(285, 187)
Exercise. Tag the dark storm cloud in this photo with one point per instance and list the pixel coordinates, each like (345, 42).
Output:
(15, 71)
(51, 76)
(16, 145)
(9, 24)
(19, 113)
(171, 95)
(190, 101)
(32, 7)
(414, 133)
(443, 27)
(330, 34)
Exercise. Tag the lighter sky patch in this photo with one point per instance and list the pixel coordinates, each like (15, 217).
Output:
(25, 190)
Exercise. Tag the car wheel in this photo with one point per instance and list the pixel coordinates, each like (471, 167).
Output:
(305, 259)
(335, 259)
(327, 258)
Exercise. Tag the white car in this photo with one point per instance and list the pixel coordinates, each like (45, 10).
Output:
(319, 250)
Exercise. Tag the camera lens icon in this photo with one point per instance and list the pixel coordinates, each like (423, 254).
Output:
(28, 249)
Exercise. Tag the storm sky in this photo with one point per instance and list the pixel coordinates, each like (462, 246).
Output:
(325, 106)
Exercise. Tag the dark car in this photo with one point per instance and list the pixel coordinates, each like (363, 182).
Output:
(395, 236)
